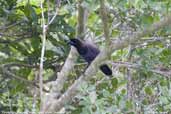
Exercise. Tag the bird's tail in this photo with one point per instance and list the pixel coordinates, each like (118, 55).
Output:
(106, 70)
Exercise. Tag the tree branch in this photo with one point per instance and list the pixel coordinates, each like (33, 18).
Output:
(10, 26)
(123, 42)
(56, 105)
(82, 17)
(44, 30)
(166, 72)
(8, 74)
(70, 61)
(103, 12)
(56, 12)
(14, 41)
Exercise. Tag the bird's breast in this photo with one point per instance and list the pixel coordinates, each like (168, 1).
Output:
(90, 55)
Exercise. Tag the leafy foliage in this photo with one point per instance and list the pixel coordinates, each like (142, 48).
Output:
(132, 90)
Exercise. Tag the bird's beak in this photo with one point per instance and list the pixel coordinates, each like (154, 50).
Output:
(70, 43)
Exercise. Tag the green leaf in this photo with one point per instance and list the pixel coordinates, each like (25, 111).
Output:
(148, 90)
(123, 91)
(139, 5)
(32, 2)
(163, 83)
(129, 104)
(31, 76)
(147, 20)
(163, 100)
(145, 101)
(114, 82)
(30, 13)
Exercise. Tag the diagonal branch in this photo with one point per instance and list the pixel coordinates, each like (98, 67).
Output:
(70, 61)
(123, 42)
(166, 72)
(56, 105)
(56, 12)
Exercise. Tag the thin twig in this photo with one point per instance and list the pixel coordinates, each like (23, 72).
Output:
(14, 34)
(45, 27)
(165, 73)
(42, 52)
(56, 13)
(20, 65)
(12, 25)
(14, 41)
(10, 74)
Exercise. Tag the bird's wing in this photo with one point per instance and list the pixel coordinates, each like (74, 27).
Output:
(92, 52)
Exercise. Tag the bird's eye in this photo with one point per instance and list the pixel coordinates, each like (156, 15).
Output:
(72, 42)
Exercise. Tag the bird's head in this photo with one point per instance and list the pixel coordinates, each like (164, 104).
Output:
(75, 42)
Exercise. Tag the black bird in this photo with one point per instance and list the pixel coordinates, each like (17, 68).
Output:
(89, 52)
